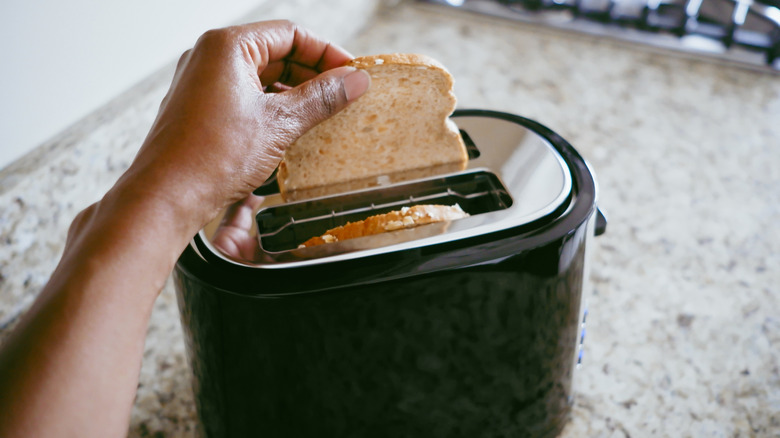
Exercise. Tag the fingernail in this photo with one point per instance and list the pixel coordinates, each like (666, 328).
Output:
(355, 84)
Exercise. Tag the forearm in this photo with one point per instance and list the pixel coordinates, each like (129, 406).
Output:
(71, 366)
(81, 343)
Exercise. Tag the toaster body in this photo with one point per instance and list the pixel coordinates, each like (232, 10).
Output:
(471, 328)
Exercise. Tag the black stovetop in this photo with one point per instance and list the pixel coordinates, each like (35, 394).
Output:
(742, 32)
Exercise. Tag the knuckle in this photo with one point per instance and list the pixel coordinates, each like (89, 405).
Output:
(79, 222)
(218, 38)
(183, 58)
(280, 25)
(286, 23)
(326, 96)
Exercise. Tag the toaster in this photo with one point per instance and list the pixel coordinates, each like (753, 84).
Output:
(472, 327)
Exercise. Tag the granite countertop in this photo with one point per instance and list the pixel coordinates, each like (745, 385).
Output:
(684, 322)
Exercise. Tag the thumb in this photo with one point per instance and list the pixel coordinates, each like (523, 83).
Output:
(323, 96)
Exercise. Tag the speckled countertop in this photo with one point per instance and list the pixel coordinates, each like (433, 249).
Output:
(684, 325)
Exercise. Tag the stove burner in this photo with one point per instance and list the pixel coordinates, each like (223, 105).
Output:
(741, 32)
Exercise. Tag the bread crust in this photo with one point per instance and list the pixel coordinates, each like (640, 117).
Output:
(413, 59)
(407, 217)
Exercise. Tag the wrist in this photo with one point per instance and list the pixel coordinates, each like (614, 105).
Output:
(172, 199)
(172, 219)
(130, 231)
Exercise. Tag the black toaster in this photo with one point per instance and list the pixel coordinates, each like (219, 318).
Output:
(471, 328)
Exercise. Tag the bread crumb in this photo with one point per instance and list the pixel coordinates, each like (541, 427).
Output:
(393, 225)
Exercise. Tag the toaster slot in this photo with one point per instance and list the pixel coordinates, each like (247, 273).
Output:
(271, 185)
(284, 227)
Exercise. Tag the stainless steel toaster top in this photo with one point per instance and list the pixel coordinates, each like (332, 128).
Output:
(515, 177)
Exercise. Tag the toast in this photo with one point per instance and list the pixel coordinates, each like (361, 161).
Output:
(397, 131)
(407, 217)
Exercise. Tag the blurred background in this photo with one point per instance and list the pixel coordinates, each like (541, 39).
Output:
(64, 59)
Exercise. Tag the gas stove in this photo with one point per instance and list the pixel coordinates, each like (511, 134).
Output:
(741, 32)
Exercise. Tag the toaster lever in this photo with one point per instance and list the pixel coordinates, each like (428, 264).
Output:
(601, 222)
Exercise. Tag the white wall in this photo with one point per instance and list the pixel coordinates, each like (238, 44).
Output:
(62, 59)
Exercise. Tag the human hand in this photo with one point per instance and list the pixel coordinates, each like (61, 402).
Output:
(238, 98)
(219, 134)
(234, 235)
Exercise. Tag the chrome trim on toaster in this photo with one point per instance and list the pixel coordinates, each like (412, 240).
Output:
(528, 166)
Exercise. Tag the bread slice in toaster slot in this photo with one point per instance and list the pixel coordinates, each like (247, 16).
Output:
(271, 185)
(284, 228)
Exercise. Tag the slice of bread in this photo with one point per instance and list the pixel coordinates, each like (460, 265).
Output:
(407, 217)
(398, 130)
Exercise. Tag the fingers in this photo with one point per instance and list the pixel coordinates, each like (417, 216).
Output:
(234, 234)
(322, 97)
(279, 51)
(241, 214)
(273, 41)
(288, 73)
(217, 121)
(286, 40)
(276, 87)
